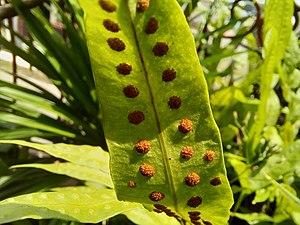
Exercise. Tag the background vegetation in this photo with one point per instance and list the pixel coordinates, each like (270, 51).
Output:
(254, 88)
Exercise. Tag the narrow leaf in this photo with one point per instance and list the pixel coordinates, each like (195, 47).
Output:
(80, 204)
(72, 170)
(42, 123)
(22, 133)
(84, 155)
(164, 143)
(277, 32)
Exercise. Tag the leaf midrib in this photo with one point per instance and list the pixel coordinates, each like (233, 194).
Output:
(160, 137)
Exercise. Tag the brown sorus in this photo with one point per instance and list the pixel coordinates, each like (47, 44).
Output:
(170, 213)
(159, 206)
(195, 217)
(185, 126)
(131, 184)
(151, 26)
(209, 155)
(107, 5)
(142, 5)
(124, 68)
(136, 117)
(194, 213)
(156, 196)
(111, 25)
(131, 91)
(157, 210)
(215, 181)
(143, 146)
(207, 222)
(174, 102)
(116, 44)
(192, 179)
(147, 170)
(160, 49)
(187, 152)
(169, 75)
(194, 201)
(167, 210)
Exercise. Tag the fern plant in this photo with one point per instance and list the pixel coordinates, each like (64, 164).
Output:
(165, 146)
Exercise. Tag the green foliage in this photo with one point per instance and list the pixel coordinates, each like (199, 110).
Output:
(31, 107)
(253, 218)
(95, 205)
(86, 204)
(260, 137)
(160, 126)
(277, 31)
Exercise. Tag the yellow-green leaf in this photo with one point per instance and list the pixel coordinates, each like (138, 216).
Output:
(152, 92)
(82, 204)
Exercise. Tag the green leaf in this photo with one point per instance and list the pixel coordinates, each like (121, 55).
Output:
(229, 100)
(28, 181)
(273, 109)
(73, 170)
(289, 202)
(280, 25)
(84, 155)
(42, 123)
(228, 133)
(80, 204)
(277, 32)
(223, 55)
(276, 166)
(78, 13)
(22, 133)
(144, 217)
(291, 60)
(264, 194)
(130, 115)
(241, 168)
(253, 218)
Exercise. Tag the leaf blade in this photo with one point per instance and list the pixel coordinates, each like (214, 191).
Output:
(81, 204)
(72, 170)
(147, 116)
(94, 157)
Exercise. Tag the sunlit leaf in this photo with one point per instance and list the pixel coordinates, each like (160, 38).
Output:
(144, 217)
(84, 155)
(144, 100)
(277, 32)
(81, 204)
(253, 218)
(76, 171)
